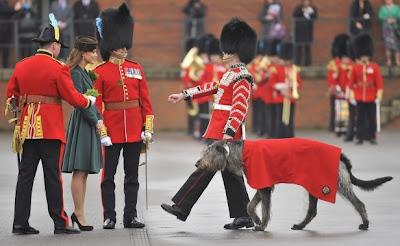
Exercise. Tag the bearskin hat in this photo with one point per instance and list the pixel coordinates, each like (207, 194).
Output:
(286, 51)
(204, 43)
(272, 49)
(213, 48)
(363, 45)
(237, 37)
(114, 30)
(341, 46)
(190, 43)
(262, 47)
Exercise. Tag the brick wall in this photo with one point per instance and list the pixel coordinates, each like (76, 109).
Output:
(158, 28)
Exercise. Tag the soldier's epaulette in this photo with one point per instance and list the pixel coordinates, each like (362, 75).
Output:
(58, 61)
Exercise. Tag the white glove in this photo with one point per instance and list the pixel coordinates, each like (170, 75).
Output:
(92, 99)
(106, 141)
(281, 86)
(147, 137)
(353, 102)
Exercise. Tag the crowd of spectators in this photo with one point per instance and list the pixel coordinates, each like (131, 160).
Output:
(23, 19)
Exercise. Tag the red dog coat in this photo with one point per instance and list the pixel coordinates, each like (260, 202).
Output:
(311, 164)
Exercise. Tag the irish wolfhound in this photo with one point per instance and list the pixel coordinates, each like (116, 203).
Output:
(223, 154)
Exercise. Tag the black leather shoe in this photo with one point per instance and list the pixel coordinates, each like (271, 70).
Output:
(174, 210)
(66, 230)
(238, 223)
(133, 224)
(348, 139)
(24, 230)
(109, 224)
(359, 142)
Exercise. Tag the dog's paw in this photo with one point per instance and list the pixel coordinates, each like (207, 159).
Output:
(258, 228)
(297, 227)
(257, 221)
(363, 227)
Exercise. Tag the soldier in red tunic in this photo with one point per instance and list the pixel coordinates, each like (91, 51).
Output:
(338, 75)
(258, 68)
(232, 94)
(286, 81)
(127, 112)
(40, 82)
(366, 84)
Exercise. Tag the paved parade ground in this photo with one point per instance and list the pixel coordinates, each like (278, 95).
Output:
(171, 159)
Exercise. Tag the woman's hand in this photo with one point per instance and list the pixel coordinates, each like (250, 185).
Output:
(175, 98)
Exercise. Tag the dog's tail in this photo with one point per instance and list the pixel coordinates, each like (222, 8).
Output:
(367, 185)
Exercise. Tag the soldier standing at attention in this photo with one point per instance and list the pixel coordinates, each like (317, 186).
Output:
(127, 112)
(366, 84)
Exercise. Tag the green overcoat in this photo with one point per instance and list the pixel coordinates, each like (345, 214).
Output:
(83, 150)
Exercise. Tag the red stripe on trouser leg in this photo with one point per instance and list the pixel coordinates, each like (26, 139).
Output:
(190, 189)
(60, 179)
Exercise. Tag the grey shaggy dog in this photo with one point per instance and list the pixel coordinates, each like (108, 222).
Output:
(228, 154)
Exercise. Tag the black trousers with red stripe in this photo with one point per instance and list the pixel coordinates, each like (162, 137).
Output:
(48, 151)
(131, 154)
(198, 181)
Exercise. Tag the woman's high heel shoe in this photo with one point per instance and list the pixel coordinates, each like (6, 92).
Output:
(74, 220)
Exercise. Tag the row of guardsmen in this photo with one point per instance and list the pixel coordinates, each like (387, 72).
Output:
(356, 88)
(275, 91)
(202, 64)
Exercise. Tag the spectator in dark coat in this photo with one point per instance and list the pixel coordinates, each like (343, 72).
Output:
(27, 27)
(271, 13)
(63, 12)
(195, 11)
(304, 16)
(361, 13)
(85, 13)
(6, 11)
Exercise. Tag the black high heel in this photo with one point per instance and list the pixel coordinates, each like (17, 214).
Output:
(74, 220)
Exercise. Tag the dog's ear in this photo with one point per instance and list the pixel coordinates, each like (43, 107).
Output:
(224, 149)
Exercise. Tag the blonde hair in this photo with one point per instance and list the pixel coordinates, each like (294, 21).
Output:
(74, 58)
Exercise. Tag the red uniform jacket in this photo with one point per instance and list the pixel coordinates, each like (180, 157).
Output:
(365, 81)
(119, 83)
(283, 74)
(260, 78)
(267, 90)
(232, 91)
(338, 77)
(308, 163)
(42, 75)
(333, 72)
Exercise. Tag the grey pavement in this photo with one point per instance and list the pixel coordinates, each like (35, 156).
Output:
(171, 160)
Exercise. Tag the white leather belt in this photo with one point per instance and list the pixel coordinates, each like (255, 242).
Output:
(222, 107)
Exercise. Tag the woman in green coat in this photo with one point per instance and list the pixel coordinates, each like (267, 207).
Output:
(389, 15)
(86, 132)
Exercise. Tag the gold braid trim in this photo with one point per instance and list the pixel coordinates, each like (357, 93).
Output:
(102, 131)
(148, 124)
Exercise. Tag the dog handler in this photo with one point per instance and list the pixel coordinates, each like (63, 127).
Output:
(232, 93)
